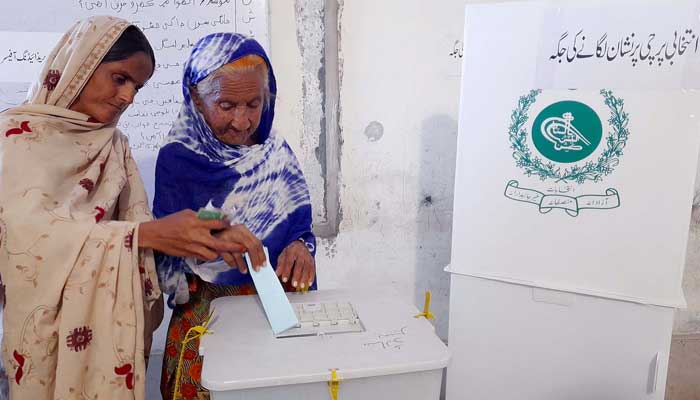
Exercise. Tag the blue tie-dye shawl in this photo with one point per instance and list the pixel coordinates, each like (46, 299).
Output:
(261, 186)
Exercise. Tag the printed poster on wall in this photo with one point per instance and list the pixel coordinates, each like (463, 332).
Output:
(578, 145)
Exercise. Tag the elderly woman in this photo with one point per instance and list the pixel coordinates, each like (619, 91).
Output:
(77, 239)
(221, 151)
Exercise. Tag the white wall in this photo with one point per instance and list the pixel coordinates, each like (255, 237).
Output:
(399, 102)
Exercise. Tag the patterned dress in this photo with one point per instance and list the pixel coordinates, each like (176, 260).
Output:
(78, 290)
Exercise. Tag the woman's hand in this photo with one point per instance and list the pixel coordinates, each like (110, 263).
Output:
(182, 234)
(297, 257)
(240, 235)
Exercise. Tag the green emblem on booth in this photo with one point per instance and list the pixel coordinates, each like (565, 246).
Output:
(588, 129)
(567, 131)
(567, 146)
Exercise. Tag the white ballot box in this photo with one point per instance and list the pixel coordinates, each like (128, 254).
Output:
(394, 355)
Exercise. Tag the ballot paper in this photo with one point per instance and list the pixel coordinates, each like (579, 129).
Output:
(279, 311)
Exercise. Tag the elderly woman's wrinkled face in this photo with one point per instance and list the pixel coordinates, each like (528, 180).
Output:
(233, 105)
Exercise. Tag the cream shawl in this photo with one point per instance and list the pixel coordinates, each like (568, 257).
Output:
(71, 198)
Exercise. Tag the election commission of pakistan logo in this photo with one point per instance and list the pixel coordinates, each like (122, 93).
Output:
(568, 145)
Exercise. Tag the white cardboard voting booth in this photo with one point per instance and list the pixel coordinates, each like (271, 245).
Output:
(397, 357)
(576, 161)
(517, 342)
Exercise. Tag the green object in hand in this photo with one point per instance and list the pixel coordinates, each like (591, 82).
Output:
(209, 214)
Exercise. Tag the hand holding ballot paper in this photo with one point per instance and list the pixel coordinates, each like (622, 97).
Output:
(275, 303)
(236, 233)
(279, 311)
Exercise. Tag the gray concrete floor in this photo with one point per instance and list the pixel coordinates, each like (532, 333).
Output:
(684, 368)
(153, 377)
